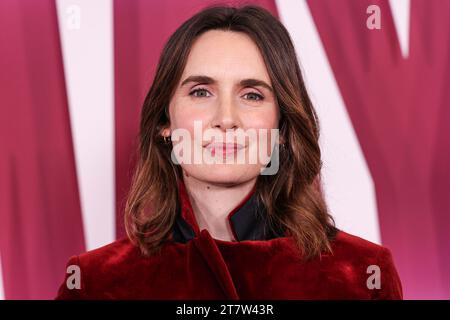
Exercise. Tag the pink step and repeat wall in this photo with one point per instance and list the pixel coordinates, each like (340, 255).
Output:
(72, 81)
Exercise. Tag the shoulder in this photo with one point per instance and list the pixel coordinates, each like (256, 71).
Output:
(350, 251)
(97, 266)
(345, 242)
(350, 248)
(113, 253)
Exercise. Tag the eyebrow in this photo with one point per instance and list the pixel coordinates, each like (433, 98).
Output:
(244, 83)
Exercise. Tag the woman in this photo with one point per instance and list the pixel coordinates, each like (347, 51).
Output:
(228, 230)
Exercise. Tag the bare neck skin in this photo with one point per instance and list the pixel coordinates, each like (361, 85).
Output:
(212, 203)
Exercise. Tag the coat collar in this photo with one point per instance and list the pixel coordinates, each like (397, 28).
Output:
(248, 220)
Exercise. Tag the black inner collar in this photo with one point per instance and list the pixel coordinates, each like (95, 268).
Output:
(249, 222)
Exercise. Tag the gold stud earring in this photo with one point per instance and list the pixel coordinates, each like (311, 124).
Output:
(167, 140)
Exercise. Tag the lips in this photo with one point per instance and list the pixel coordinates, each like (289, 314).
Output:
(224, 148)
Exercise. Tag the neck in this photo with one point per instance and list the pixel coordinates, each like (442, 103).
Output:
(212, 203)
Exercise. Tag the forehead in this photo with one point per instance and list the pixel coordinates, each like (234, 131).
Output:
(226, 54)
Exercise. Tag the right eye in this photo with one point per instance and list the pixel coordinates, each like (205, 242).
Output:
(200, 93)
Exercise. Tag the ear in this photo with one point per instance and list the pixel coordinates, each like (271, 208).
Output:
(165, 132)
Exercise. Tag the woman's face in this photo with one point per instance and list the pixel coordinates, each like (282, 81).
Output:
(225, 86)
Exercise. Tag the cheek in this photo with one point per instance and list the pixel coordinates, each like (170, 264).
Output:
(263, 142)
(262, 119)
(184, 115)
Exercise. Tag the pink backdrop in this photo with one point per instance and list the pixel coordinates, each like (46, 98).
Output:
(399, 109)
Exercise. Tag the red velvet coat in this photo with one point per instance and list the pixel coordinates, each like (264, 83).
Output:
(259, 265)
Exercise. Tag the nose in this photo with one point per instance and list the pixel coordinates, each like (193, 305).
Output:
(226, 115)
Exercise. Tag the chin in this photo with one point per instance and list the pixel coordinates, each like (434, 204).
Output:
(224, 173)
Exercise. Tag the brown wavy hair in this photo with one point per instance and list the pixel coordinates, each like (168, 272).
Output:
(293, 197)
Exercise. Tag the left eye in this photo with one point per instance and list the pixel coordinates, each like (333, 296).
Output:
(200, 93)
(253, 96)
